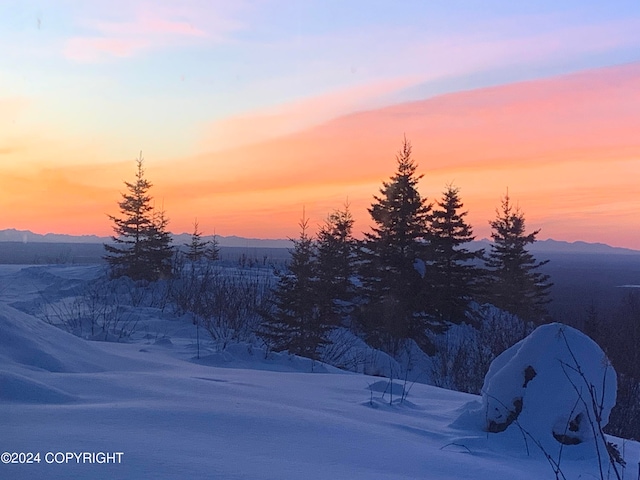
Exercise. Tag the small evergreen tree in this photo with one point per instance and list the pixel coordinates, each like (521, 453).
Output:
(391, 282)
(213, 249)
(514, 283)
(197, 248)
(158, 251)
(451, 278)
(141, 241)
(336, 255)
(294, 323)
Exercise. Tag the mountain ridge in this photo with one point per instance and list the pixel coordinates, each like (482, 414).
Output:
(27, 236)
(541, 246)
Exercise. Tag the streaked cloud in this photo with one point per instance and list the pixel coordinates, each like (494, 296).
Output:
(149, 25)
(299, 115)
(87, 49)
(145, 27)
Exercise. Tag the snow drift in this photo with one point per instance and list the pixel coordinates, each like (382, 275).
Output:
(26, 342)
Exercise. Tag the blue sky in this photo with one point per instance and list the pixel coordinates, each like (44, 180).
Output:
(178, 65)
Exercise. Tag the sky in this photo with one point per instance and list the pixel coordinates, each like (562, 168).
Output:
(248, 113)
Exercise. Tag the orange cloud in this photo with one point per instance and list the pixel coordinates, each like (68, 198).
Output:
(565, 144)
(48, 183)
(72, 199)
(567, 148)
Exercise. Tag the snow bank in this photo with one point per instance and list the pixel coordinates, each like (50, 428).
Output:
(551, 387)
(19, 389)
(31, 343)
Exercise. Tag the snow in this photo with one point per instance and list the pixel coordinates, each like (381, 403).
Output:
(235, 414)
(544, 388)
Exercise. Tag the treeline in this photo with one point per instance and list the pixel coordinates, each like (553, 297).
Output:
(411, 275)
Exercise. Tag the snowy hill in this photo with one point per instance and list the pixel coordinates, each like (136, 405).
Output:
(230, 415)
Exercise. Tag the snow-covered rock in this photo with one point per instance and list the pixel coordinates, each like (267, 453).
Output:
(554, 386)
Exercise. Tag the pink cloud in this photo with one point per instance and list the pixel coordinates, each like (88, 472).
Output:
(150, 26)
(503, 45)
(269, 123)
(88, 49)
(145, 28)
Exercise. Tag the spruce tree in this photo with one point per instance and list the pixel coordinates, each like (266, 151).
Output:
(213, 249)
(514, 283)
(451, 279)
(197, 248)
(293, 322)
(336, 256)
(391, 283)
(140, 240)
(158, 247)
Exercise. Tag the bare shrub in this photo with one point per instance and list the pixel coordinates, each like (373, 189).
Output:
(465, 351)
(344, 350)
(224, 301)
(96, 313)
(625, 416)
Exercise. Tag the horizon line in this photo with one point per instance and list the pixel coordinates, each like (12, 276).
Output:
(267, 239)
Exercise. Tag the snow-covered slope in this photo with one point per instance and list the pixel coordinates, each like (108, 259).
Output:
(174, 417)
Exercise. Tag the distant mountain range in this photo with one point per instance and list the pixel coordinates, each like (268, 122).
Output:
(542, 246)
(26, 236)
(559, 246)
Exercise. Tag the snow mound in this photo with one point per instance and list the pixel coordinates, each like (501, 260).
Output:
(18, 389)
(31, 343)
(552, 386)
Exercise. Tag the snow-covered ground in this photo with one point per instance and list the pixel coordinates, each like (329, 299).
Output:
(229, 415)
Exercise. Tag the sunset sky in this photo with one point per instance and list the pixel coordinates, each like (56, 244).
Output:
(246, 112)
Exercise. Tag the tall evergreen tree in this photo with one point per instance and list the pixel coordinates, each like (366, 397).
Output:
(294, 322)
(336, 256)
(451, 278)
(391, 282)
(140, 239)
(514, 283)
